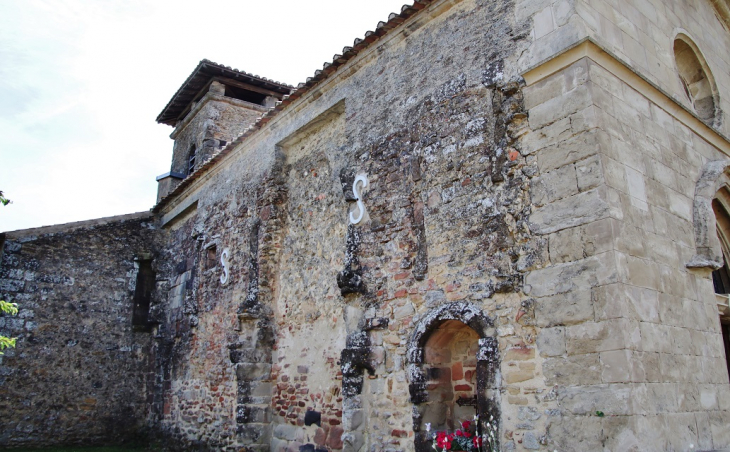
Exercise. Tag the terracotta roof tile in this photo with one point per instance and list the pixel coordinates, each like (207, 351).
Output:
(199, 78)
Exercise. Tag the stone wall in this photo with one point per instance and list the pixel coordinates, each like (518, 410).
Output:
(441, 163)
(547, 215)
(642, 35)
(79, 371)
(630, 337)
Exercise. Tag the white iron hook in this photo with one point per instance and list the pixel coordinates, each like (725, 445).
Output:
(361, 178)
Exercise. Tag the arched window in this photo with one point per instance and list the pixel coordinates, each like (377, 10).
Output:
(696, 79)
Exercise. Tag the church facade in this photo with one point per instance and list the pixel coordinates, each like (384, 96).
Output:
(508, 212)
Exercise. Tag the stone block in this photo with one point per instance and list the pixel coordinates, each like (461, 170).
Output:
(616, 366)
(708, 397)
(624, 301)
(681, 431)
(674, 368)
(612, 400)
(523, 371)
(543, 23)
(286, 432)
(554, 185)
(671, 310)
(661, 398)
(592, 337)
(572, 150)
(260, 388)
(572, 370)
(653, 431)
(255, 433)
(551, 342)
(589, 173)
(615, 174)
(704, 432)
(564, 309)
(655, 337)
(576, 433)
(676, 282)
(253, 371)
(573, 276)
(352, 441)
(723, 396)
(631, 239)
(569, 212)
(719, 420)
(551, 134)
(557, 84)
(620, 433)
(639, 272)
(661, 248)
(647, 363)
(565, 245)
(688, 398)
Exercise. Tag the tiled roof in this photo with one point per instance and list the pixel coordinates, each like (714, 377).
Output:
(348, 52)
(200, 77)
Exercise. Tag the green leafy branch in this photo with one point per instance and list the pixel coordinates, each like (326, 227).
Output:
(11, 309)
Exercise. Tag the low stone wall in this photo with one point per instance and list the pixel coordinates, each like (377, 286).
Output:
(78, 372)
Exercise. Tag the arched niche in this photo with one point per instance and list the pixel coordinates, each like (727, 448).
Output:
(453, 370)
(712, 237)
(696, 79)
(708, 249)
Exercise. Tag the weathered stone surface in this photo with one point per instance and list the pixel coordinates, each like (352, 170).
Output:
(579, 275)
(78, 364)
(524, 239)
(551, 342)
(572, 370)
(569, 212)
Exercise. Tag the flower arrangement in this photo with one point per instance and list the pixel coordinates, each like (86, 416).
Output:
(466, 438)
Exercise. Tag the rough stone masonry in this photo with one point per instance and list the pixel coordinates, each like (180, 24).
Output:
(508, 210)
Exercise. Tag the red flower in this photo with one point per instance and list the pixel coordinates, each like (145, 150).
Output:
(477, 441)
(443, 441)
(465, 425)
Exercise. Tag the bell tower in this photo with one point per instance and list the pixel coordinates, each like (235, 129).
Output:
(211, 108)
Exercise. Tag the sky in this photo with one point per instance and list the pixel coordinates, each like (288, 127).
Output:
(82, 81)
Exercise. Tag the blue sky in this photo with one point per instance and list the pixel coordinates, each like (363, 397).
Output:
(81, 83)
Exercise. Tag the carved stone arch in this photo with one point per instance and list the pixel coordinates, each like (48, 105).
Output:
(467, 316)
(708, 251)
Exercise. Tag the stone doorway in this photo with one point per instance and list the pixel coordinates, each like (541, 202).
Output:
(450, 368)
(453, 365)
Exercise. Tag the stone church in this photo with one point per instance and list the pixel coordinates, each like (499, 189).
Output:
(511, 209)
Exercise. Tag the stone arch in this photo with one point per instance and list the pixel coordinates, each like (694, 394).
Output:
(708, 250)
(696, 79)
(457, 316)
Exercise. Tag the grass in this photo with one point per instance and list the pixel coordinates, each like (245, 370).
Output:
(86, 449)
